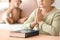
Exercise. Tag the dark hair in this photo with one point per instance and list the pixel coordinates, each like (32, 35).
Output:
(10, 1)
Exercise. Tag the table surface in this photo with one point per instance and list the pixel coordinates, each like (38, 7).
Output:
(4, 35)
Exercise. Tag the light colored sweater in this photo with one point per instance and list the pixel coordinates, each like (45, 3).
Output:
(49, 25)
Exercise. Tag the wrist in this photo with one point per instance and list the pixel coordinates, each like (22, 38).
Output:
(39, 22)
(33, 24)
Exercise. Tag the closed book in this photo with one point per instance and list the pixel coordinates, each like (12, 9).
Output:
(25, 33)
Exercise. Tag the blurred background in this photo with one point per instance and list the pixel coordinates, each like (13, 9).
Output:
(27, 6)
(56, 2)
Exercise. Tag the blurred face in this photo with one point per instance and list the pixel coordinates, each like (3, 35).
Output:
(45, 3)
(15, 3)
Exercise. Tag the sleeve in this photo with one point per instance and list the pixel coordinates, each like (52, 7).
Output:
(52, 29)
(31, 18)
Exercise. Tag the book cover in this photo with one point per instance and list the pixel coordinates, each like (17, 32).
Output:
(25, 33)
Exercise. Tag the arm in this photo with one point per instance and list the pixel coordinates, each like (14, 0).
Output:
(38, 18)
(30, 21)
(33, 18)
(52, 29)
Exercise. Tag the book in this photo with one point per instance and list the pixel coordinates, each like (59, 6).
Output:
(25, 33)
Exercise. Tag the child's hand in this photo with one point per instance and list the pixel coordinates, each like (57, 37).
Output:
(39, 16)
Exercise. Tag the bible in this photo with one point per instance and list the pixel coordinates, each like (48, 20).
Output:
(25, 33)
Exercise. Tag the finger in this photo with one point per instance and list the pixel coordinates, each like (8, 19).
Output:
(39, 10)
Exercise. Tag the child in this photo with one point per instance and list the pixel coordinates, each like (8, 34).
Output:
(13, 14)
(46, 18)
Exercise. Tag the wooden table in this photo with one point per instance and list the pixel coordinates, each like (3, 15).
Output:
(4, 35)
